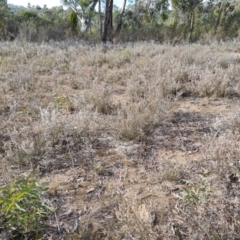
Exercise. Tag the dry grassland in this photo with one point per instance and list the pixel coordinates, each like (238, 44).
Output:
(134, 142)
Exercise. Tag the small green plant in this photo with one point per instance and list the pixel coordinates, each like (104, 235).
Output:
(64, 103)
(22, 207)
(61, 101)
(194, 193)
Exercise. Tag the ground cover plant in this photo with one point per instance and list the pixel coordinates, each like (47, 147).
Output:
(134, 141)
(22, 208)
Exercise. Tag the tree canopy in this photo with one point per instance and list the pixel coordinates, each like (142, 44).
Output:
(98, 20)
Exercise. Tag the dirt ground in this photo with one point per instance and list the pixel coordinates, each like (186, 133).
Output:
(135, 172)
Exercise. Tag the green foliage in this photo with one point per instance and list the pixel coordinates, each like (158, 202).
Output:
(7, 22)
(85, 3)
(73, 20)
(63, 102)
(3, 10)
(43, 25)
(162, 5)
(164, 16)
(191, 20)
(3, 2)
(194, 193)
(187, 5)
(22, 207)
(29, 16)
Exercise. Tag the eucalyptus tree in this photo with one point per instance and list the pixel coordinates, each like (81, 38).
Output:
(108, 23)
(222, 9)
(3, 16)
(187, 8)
(3, 8)
(108, 33)
(120, 18)
(4, 2)
(159, 11)
(84, 10)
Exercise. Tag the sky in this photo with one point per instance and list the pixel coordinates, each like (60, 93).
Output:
(49, 3)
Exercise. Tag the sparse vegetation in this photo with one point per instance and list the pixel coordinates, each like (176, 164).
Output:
(168, 21)
(134, 141)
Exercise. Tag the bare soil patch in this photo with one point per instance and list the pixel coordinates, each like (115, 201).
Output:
(145, 176)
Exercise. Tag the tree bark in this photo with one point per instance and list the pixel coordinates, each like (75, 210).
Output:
(84, 18)
(107, 31)
(120, 18)
(100, 17)
(174, 24)
(85, 24)
(191, 27)
(219, 17)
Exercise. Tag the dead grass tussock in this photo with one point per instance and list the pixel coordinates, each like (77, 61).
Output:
(206, 203)
(223, 147)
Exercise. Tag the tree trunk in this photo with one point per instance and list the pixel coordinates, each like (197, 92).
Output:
(174, 24)
(85, 24)
(191, 27)
(219, 17)
(85, 20)
(100, 17)
(120, 18)
(107, 31)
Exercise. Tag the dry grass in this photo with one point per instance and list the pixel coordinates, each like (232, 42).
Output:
(99, 116)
